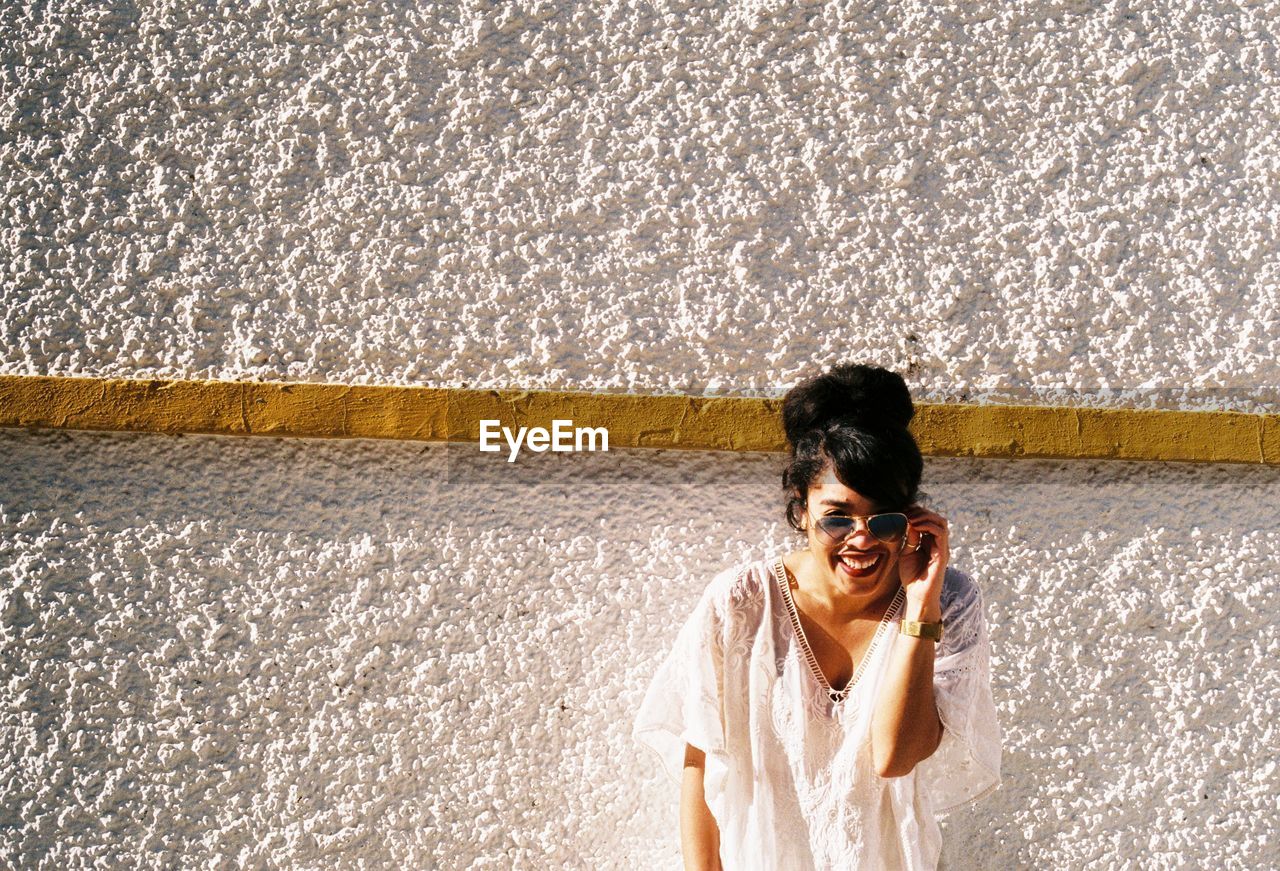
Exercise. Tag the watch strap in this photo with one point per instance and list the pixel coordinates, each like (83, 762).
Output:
(922, 630)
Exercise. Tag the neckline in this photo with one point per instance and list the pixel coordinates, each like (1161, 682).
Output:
(780, 577)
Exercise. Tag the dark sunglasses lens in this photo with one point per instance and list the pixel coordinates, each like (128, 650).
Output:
(888, 527)
(836, 527)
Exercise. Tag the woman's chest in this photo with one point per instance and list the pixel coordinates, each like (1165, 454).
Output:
(838, 650)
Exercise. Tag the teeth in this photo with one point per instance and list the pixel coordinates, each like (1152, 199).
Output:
(859, 564)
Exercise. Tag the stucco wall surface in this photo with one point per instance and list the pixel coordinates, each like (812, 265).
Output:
(226, 652)
(672, 196)
(218, 652)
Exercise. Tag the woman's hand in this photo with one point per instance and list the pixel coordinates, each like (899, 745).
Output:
(922, 561)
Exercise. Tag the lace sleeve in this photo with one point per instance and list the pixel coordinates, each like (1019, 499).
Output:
(684, 701)
(966, 765)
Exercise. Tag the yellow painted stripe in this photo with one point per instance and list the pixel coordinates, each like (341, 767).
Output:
(305, 409)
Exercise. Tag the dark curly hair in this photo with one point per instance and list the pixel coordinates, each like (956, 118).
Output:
(853, 419)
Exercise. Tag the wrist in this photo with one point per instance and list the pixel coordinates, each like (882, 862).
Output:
(923, 609)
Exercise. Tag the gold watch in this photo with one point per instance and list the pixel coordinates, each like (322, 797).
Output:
(922, 630)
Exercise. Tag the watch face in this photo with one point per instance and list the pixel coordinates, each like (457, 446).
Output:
(922, 630)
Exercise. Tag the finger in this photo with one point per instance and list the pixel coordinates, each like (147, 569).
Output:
(936, 541)
(937, 529)
(918, 542)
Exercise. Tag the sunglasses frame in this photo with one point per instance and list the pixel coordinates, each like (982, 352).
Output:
(866, 520)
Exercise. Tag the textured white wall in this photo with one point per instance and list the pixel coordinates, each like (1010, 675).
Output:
(626, 195)
(313, 654)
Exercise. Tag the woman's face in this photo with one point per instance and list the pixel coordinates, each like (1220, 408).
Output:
(862, 564)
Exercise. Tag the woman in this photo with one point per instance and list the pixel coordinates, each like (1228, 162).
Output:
(823, 706)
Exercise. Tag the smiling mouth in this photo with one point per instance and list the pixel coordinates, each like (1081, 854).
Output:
(860, 565)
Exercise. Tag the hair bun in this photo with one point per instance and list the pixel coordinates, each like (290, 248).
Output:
(866, 396)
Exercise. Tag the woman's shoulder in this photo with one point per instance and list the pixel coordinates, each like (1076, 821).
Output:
(962, 610)
(740, 586)
(960, 592)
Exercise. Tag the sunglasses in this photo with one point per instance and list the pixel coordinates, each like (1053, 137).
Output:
(889, 528)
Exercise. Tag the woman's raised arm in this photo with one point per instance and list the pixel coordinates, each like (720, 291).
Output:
(905, 725)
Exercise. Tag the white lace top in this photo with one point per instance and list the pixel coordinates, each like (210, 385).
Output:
(790, 778)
